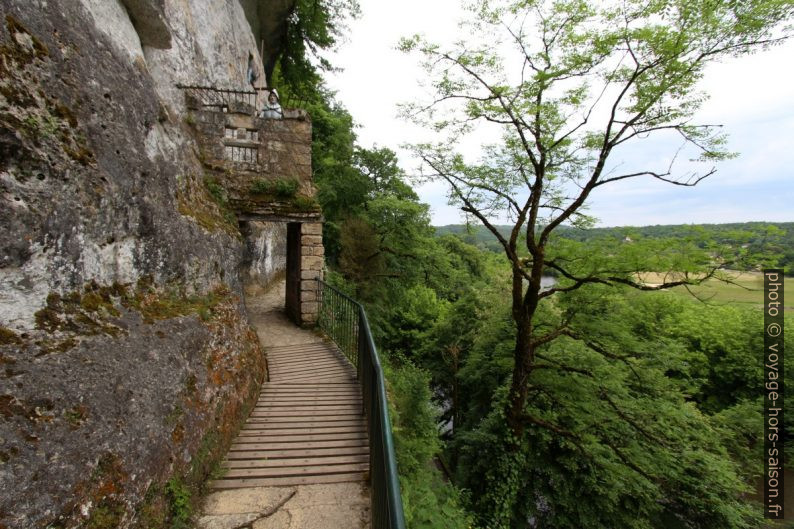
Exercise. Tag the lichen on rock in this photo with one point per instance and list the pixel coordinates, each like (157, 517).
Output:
(121, 410)
(126, 357)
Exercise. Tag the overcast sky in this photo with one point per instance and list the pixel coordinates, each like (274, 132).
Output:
(752, 97)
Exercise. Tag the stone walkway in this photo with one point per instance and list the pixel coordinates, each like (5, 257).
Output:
(301, 460)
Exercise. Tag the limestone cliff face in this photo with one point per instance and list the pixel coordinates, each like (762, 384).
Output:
(125, 350)
(266, 253)
(269, 23)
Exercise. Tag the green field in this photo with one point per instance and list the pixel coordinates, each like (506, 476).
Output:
(742, 287)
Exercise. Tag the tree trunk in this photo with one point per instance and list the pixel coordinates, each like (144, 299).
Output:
(523, 358)
(524, 306)
(455, 400)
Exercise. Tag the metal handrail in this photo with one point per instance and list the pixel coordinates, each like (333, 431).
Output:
(210, 96)
(345, 321)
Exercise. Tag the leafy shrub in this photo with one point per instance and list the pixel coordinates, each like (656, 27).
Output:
(429, 501)
(305, 203)
(215, 190)
(179, 497)
(286, 188)
(282, 188)
(260, 187)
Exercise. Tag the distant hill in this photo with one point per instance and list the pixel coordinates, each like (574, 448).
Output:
(770, 242)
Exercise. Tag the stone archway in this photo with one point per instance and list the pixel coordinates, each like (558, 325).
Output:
(264, 167)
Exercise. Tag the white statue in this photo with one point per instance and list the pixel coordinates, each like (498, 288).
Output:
(272, 108)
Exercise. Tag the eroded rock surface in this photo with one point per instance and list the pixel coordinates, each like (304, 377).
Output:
(266, 254)
(126, 358)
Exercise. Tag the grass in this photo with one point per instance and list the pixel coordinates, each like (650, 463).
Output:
(87, 312)
(93, 310)
(303, 203)
(41, 127)
(743, 288)
(260, 187)
(218, 194)
(286, 188)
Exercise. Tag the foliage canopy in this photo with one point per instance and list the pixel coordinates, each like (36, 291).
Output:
(568, 86)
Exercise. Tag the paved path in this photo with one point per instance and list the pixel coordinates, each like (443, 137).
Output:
(301, 459)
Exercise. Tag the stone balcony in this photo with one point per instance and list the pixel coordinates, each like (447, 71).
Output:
(264, 166)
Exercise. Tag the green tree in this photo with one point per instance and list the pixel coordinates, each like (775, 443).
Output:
(380, 167)
(633, 447)
(429, 502)
(588, 81)
(295, 33)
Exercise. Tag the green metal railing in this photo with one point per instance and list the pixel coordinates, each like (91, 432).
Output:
(344, 320)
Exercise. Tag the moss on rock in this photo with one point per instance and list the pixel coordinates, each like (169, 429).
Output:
(208, 205)
(9, 337)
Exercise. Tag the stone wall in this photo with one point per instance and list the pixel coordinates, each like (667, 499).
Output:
(244, 149)
(251, 158)
(312, 263)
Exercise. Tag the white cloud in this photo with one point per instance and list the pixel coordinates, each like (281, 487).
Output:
(752, 96)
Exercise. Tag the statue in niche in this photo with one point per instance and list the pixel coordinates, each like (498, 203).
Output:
(256, 79)
(272, 108)
(253, 73)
